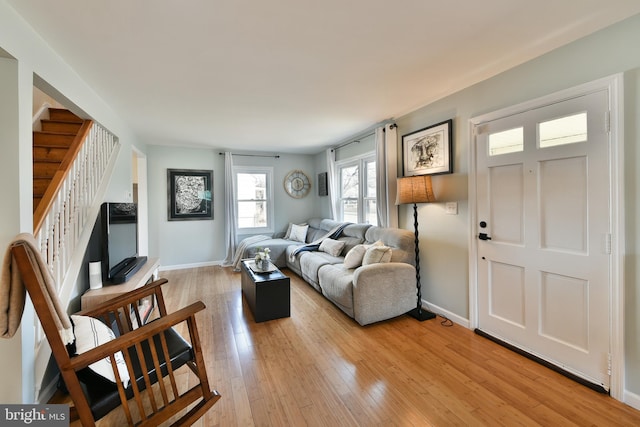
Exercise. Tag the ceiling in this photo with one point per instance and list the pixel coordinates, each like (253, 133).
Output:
(296, 76)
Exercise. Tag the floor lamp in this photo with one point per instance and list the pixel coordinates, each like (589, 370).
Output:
(416, 189)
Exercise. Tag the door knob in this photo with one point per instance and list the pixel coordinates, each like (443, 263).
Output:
(483, 236)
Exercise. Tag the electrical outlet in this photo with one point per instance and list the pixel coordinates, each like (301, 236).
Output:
(451, 208)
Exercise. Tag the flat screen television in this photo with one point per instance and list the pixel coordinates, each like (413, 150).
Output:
(119, 224)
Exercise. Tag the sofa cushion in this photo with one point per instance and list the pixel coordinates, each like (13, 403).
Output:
(320, 228)
(336, 282)
(310, 263)
(377, 254)
(298, 233)
(332, 247)
(277, 247)
(402, 242)
(353, 235)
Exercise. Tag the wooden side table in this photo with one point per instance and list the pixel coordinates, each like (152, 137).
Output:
(93, 297)
(268, 294)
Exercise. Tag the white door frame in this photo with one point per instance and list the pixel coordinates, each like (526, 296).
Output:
(614, 85)
(143, 202)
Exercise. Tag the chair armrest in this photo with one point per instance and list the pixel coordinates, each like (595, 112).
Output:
(125, 299)
(129, 339)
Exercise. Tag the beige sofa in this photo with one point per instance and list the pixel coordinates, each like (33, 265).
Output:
(368, 293)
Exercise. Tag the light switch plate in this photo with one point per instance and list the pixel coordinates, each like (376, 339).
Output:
(451, 208)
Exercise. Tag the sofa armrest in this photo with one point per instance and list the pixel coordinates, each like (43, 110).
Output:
(382, 291)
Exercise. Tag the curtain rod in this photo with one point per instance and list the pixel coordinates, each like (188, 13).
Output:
(393, 125)
(276, 156)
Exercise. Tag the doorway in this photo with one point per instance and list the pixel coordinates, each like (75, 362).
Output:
(546, 270)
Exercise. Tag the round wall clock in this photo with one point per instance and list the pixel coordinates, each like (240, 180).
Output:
(297, 184)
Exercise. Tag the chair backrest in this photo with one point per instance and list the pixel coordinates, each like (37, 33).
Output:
(44, 308)
(147, 350)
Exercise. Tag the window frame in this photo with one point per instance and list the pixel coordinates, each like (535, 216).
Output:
(361, 162)
(269, 198)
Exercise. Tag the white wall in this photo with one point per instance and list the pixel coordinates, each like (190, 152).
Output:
(10, 225)
(33, 59)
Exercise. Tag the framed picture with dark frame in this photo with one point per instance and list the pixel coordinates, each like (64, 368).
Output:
(428, 151)
(189, 194)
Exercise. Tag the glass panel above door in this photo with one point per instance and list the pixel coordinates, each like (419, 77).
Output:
(562, 131)
(507, 141)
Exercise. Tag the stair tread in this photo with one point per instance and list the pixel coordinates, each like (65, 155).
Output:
(50, 146)
(53, 132)
(69, 121)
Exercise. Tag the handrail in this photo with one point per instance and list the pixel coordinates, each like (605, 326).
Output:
(58, 178)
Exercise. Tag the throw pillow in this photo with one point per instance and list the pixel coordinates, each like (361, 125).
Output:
(353, 259)
(298, 233)
(377, 254)
(90, 333)
(332, 247)
(287, 235)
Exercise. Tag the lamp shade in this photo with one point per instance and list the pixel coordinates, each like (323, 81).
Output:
(415, 189)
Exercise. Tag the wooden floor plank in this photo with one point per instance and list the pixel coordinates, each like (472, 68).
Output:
(320, 368)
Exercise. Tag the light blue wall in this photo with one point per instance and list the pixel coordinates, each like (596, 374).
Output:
(444, 239)
(185, 243)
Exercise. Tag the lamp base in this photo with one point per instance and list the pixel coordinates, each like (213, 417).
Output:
(421, 315)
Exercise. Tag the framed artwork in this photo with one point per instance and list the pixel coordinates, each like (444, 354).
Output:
(189, 194)
(322, 184)
(428, 151)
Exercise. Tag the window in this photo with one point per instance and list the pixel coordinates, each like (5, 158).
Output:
(254, 188)
(357, 185)
(508, 141)
(562, 131)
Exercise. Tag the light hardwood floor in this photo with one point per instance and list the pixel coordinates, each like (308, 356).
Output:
(320, 368)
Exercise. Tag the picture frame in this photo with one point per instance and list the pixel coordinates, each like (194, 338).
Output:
(428, 151)
(323, 190)
(190, 195)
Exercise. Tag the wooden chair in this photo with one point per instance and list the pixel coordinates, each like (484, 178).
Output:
(154, 347)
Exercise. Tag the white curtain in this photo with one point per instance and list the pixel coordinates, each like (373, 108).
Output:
(231, 239)
(386, 175)
(331, 183)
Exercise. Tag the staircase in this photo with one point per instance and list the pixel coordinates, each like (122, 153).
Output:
(73, 160)
(50, 147)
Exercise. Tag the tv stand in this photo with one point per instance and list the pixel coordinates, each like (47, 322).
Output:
(126, 269)
(146, 271)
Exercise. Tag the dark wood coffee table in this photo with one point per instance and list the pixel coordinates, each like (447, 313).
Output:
(268, 294)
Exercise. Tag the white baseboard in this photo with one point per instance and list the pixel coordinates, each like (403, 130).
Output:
(185, 266)
(631, 399)
(445, 313)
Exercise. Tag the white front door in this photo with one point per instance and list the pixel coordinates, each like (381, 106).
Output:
(543, 211)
